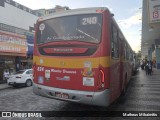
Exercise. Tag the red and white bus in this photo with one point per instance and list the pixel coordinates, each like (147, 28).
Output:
(81, 56)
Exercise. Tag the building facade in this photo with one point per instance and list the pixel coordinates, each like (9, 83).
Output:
(16, 36)
(58, 8)
(150, 44)
(17, 23)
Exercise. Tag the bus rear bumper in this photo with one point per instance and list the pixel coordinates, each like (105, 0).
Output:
(91, 98)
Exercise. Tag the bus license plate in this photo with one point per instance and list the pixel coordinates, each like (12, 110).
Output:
(62, 95)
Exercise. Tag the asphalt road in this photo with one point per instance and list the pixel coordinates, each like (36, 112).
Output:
(143, 94)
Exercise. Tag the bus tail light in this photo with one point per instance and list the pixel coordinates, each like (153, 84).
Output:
(102, 75)
(101, 79)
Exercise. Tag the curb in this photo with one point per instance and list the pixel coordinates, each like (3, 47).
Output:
(4, 85)
(5, 88)
(3, 81)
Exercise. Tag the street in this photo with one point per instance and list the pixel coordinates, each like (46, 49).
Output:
(142, 95)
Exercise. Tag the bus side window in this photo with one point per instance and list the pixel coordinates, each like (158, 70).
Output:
(114, 43)
(125, 51)
(112, 49)
(128, 52)
(131, 55)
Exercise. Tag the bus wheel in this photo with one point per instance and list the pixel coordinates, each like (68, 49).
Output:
(125, 86)
(122, 98)
(124, 91)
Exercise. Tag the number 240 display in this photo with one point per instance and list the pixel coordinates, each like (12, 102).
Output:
(89, 20)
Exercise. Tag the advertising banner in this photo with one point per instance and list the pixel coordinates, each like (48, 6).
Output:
(30, 39)
(154, 11)
(13, 43)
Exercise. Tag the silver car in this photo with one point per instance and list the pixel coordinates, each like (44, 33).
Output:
(24, 77)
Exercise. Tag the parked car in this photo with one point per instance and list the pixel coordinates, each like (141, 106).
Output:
(22, 77)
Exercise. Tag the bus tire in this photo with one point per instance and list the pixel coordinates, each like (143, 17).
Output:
(125, 86)
(123, 91)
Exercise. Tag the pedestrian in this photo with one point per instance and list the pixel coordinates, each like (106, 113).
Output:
(6, 74)
(151, 65)
(142, 65)
(147, 68)
(154, 63)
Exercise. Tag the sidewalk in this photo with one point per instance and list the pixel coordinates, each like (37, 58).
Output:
(3, 81)
(3, 85)
(156, 72)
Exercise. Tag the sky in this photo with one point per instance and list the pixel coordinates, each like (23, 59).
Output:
(127, 14)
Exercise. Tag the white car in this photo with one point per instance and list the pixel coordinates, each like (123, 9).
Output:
(21, 77)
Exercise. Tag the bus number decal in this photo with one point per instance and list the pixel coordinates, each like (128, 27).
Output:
(40, 69)
(89, 20)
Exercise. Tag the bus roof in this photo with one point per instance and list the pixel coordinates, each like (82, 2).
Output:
(74, 12)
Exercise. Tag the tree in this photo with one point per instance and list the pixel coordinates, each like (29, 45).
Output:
(139, 54)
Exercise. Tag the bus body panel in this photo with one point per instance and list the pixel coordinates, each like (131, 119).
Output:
(64, 70)
(115, 80)
(71, 75)
(91, 98)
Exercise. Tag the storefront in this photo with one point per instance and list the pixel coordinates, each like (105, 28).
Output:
(157, 51)
(13, 48)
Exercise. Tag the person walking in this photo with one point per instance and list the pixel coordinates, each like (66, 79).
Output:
(147, 69)
(142, 64)
(6, 74)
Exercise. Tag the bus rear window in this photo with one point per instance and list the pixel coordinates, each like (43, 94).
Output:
(86, 28)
